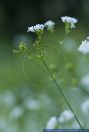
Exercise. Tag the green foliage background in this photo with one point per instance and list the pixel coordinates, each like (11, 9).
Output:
(18, 87)
(68, 66)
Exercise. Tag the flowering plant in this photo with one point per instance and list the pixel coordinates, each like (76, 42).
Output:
(44, 58)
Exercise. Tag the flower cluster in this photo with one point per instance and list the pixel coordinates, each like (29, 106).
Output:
(65, 116)
(40, 27)
(50, 25)
(69, 20)
(37, 28)
(85, 80)
(85, 106)
(51, 124)
(84, 47)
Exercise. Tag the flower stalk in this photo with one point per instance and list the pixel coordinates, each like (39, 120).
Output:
(60, 90)
(37, 46)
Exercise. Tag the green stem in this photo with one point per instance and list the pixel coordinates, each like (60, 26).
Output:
(23, 64)
(60, 90)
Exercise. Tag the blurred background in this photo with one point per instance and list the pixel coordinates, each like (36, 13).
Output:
(28, 101)
(16, 16)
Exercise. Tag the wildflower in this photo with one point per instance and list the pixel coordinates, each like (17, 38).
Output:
(52, 123)
(8, 99)
(75, 125)
(69, 20)
(50, 25)
(65, 116)
(31, 104)
(84, 47)
(31, 29)
(69, 23)
(85, 106)
(85, 80)
(16, 112)
(37, 28)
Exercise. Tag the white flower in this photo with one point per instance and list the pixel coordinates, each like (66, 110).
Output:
(65, 116)
(75, 125)
(84, 47)
(49, 24)
(85, 80)
(85, 106)
(52, 123)
(16, 112)
(31, 104)
(70, 20)
(31, 29)
(8, 99)
(38, 27)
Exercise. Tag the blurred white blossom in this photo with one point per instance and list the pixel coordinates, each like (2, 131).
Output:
(50, 25)
(75, 125)
(16, 112)
(31, 104)
(8, 99)
(85, 106)
(37, 28)
(85, 80)
(70, 20)
(65, 116)
(51, 124)
(84, 47)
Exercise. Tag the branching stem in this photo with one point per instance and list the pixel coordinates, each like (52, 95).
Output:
(60, 90)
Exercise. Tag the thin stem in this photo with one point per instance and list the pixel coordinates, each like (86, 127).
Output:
(23, 65)
(60, 90)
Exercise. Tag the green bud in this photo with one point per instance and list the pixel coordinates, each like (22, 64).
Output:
(53, 68)
(67, 27)
(22, 47)
(15, 51)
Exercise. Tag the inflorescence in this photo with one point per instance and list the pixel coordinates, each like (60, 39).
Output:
(69, 20)
(84, 47)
